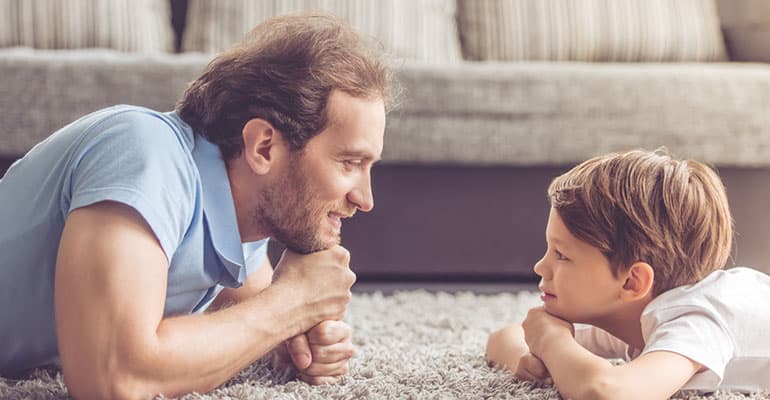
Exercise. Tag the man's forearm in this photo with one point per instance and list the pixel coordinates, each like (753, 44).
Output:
(200, 352)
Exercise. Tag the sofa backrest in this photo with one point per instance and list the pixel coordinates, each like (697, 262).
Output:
(425, 30)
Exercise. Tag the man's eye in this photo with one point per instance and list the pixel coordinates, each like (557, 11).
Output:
(353, 163)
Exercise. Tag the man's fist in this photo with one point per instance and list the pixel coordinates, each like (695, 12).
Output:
(321, 355)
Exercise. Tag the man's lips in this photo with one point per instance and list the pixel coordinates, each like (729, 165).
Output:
(336, 218)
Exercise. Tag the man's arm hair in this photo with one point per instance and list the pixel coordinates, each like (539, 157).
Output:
(110, 290)
(254, 283)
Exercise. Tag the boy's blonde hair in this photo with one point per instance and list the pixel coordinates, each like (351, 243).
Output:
(647, 206)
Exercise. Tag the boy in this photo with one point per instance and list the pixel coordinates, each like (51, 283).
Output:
(636, 243)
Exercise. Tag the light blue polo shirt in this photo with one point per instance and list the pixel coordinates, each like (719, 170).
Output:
(150, 161)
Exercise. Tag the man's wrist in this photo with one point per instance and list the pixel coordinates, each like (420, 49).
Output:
(293, 312)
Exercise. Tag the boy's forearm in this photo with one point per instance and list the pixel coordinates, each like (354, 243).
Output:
(576, 372)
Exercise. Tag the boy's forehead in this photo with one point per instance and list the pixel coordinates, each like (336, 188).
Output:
(556, 232)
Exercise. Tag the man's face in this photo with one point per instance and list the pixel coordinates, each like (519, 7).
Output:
(328, 180)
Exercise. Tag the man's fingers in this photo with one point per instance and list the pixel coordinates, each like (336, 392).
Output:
(319, 380)
(329, 332)
(299, 350)
(331, 369)
(332, 353)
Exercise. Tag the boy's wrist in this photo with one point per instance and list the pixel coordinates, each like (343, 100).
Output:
(552, 341)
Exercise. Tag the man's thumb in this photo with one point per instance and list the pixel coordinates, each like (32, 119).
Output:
(299, 351)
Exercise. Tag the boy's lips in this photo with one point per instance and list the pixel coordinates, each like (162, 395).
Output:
(546, 295)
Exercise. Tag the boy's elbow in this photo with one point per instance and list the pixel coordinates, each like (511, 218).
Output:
(601, 387)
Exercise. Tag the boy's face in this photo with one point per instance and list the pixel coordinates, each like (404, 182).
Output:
(577, 283)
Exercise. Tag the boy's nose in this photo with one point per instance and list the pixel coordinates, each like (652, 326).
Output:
(540, 267)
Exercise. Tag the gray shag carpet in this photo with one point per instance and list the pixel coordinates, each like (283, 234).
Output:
(410, 345)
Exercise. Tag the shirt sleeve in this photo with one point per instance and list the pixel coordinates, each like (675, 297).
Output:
(600, 342)
(137, 159)
(697, 335)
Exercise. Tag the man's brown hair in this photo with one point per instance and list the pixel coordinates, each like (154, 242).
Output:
(647, 206)
(284, 71)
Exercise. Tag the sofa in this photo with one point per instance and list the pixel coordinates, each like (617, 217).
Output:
(499, 96)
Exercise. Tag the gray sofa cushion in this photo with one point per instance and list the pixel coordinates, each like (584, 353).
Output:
(470, 113)
(560, 113)
(41, 90)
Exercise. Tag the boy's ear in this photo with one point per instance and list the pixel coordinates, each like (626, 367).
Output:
(639, 280)
(260, 145)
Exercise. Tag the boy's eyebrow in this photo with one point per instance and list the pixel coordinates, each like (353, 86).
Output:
(556, 241)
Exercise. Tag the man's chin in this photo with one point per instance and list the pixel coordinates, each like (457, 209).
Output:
(318, 245)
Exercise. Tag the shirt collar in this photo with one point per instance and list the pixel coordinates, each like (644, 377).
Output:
(218, 208)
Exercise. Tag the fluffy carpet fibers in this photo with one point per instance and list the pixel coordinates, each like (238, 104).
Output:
(411, 345)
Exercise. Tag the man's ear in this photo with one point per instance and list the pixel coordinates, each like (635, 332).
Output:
(639, 281)
(260, 145)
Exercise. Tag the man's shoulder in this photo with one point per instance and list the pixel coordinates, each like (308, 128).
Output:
(140, 125)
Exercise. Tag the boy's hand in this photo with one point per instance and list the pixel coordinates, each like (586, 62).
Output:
(321, 355)
(541, 329)
(531, 368)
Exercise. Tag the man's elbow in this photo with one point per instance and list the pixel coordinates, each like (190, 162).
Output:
(113, 375)
(110, 385)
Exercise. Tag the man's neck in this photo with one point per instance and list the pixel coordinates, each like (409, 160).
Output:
(244, 192)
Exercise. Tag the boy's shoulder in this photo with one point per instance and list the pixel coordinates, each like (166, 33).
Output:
(722, 291)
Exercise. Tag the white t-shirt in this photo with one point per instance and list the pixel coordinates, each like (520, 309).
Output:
(721, 322)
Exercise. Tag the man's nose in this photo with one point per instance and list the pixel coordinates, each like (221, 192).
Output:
(362, 195)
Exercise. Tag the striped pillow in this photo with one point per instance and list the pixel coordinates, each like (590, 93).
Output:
(423, 30)
(126, 25)
(591, 30)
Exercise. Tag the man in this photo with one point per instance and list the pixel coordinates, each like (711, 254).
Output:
(123, 227)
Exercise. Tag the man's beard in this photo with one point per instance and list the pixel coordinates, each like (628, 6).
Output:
(292, 213)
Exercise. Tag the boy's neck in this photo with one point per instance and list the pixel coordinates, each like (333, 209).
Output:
(626, 324)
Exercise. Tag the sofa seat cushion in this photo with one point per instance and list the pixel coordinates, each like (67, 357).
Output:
(469, 113)
(42, 90)
(561, 113)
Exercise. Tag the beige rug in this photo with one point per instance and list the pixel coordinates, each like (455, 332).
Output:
(411, 345)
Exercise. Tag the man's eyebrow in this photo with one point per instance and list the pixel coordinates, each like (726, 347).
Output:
(359, 154)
